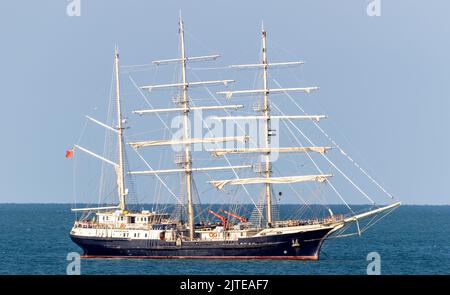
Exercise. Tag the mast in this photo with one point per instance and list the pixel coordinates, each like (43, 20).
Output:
(267, 134)
(183, 105)
(120, 168)
(265, 148)
(188, 172)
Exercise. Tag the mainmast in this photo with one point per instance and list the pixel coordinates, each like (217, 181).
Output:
(120, 168)
(183, 105)
(188, 172)
(267, 132)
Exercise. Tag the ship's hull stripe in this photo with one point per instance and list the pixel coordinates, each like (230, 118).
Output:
(315, 257)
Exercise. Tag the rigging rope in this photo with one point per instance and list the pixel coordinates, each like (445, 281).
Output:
(309, 156)
(378, 220)
(148, 102)
(157, 176)
(225, 157)
(107, 137)
(338, 147)
(140, 65)
(74, 171)
(323, 155)
(206, 69)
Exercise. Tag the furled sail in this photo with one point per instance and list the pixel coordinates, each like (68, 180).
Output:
(286, 179)
(140, 144)
(317, 149)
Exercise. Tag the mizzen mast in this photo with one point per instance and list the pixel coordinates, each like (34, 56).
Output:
(118, 167)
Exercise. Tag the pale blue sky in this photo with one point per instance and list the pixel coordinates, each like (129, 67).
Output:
(384, 80)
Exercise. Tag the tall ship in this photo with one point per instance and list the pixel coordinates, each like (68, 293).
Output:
(115, 229)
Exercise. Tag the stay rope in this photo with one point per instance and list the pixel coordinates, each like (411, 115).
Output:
(336, 145)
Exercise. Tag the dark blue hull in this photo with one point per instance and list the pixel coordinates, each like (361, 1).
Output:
(303, 245)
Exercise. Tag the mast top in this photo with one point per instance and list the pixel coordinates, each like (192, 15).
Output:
(180, 22)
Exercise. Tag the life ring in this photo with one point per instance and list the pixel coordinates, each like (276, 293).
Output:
(122, 226)
(162, 235)
(213, 235)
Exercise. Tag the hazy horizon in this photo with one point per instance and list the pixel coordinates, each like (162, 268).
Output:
(244, 204)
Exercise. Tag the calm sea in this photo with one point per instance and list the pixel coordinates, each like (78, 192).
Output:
(34, 239)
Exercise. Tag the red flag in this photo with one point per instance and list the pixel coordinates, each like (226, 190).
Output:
(69, 153)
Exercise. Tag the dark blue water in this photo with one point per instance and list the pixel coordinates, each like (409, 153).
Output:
(412, 240)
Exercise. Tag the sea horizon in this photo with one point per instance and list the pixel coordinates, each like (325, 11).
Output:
(244, 204)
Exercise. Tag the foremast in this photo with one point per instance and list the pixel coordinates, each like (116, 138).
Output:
(267, 180)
